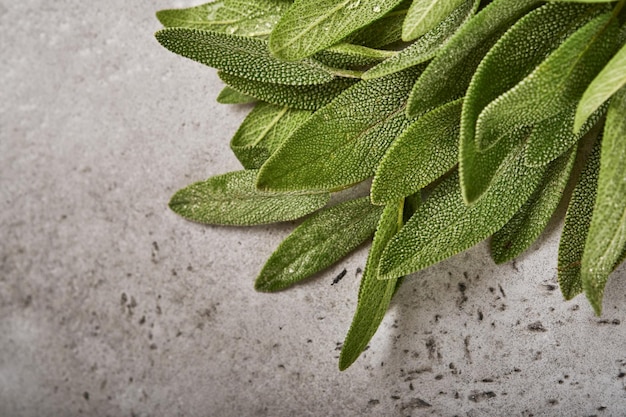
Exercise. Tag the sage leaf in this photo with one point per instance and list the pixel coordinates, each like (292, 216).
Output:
(232, 199)
(609, 80)
(449, 74)
(349, 56)
(427, 46)
(320, 241)
(263, 131)
(529, 222)
(342, 143)
(576, 227)
(383, 32)
(229, 95)
(427, 149)
(374, 294)
(312, 25)
(235, 17)
(304, 97)
(552, 137)
(512, 59)
(424, 15)
(606, 240)
(555, 84)
(444, 225)
(245, 57)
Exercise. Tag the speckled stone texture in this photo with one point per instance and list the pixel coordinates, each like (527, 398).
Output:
(110, 305)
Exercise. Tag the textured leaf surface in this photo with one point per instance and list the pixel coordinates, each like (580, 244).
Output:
(232, 199)
(245, 57)
(312, 25)
(516, 55)
(342, 143)
(304, 97)
(349, 56)
(606, 240)
(238, 17)
(229, 95)
(426, 46)
(444, 225)
(424, 15)
(449, 74)
(427, 149)
(263, 131)
(382, 32)
(374, 294)
(609, 80)
(555, 84)
(320, 241)
(576, 227)
(554, 136)
(529, 222)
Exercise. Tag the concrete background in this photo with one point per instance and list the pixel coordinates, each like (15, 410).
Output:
(110, 305)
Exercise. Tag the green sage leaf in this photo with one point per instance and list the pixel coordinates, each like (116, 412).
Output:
(229, 95)
(444, 225)
(235, 17)
(383, 32)
(529, 222)
(342, 143)
(555, 84)
(349, 56)
(552, 137)
(312, 25)
(232, 199)
(606, 240)
(427, 149)
(427, 46)
(449, 74)
(424, 15)
(609, 80)
(263, 131)
(512, 59)
(320, 241)
(304, 97)
(245, 57)
(576, 227)
(374, 294)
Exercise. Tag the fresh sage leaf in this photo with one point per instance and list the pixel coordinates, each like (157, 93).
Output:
(529, 222)
(552, 137)
(263, 131)
(449, 74)
(555, 84)
(235, 17)
(342, 143)
(444, 225)
(304, 97)
(349, 56)
(427, 149)
(427, 46)
(229, 95)
(374, 294)
(512, 59)
(320, 241)
(424, 15)
(312, 25)
(232, 199)
(609, 80)
(576, 227)
(384, 32)
(606, 240)
(245, 57)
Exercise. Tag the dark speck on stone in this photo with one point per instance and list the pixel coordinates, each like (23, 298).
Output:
(481, 396)
(339, 277)
(537, 327)
(86, 395)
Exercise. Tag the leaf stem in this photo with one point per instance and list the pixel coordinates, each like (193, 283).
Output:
(346, 73)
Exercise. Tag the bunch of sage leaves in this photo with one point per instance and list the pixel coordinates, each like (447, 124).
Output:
(469, 115)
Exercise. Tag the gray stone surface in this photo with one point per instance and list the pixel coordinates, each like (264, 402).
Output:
(110, 305)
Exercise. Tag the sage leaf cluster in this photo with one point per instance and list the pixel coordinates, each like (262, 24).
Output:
(473, 120)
